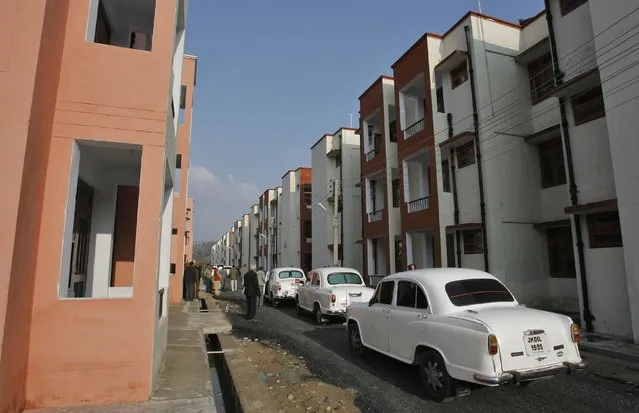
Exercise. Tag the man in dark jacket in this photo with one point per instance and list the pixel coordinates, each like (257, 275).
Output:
(252, 292)
(190, 278)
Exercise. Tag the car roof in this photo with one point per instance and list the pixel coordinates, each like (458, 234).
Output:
(330, 270)
(439, 277)
(278, 269)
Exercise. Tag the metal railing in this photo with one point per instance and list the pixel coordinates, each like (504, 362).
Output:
(372, 154)
(417, 205)
(375, 215)
(414, 128)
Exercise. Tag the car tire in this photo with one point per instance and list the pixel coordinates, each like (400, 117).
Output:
(300, 310)
(437, 383)
(355, 340)
(319, 319)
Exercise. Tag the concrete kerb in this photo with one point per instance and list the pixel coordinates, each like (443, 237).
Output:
(608, 352)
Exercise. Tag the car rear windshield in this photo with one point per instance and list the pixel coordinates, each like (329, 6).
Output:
(344, 278)
(477, 291)
(290, 274)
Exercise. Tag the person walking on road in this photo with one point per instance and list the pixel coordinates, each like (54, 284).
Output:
(224, 274)
(190, 278)
(233, 277)
(261, 279)
(217, 281)
(208, 279)
(252, 292)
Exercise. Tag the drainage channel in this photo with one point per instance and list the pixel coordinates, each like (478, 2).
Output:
(224, 391)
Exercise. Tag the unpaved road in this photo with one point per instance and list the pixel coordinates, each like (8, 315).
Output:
(380, 384)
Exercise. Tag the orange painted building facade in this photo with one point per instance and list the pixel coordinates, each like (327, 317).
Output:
(182, 233)
(89, 137)
(188, 241)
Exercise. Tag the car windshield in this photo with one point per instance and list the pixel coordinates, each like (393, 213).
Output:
(344, 278)
(477, 291)
(284, 275)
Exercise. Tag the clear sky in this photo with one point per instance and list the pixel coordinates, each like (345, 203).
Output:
(275, 75)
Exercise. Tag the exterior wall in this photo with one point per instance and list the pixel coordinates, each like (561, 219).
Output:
(188, 241)
(29, 82)
(305, 212)
(324, 172)
(179, 245)
(288, 223)
(245, 243)
(351, 216)
(255, 222)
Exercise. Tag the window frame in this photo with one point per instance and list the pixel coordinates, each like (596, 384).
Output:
(468, 241)
(395, 192)
(551, 154)
(465, 155)
(588, 106)
(564, 243)
(568, 6)
(446, 175)
(595, 232)
(541, 78)
(459, 75)
(378, 293)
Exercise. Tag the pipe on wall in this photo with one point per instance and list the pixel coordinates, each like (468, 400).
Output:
(453, 175)
(480, 172)
(574, 199)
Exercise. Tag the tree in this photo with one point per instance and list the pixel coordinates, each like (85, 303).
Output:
(202, 251)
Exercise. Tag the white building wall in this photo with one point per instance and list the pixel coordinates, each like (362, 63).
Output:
(323, 172)
(289, 219)
(352, 198)
(246, 236)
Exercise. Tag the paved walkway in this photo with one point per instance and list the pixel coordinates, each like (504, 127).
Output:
(184, 383)
(608, 346)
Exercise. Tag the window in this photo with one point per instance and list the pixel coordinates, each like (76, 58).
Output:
(338, 278)
(422, 301)
(395, 192)
(458, 75)
(308, 198)
(588, 106)
(477, 291)
(604, 230)
(398, 256)
(392, 131)
(440, 100)
(561, 259)
(466, 155)
(127, 24)
(384, 294)
(308, 228)
(372, 184)
(315, 280)
(569, 5)
(407, 294)
(551, 163)
(541, 78)
(473, 242)
(446, 175)
(183, 97)
(284, 275)
(450, 250)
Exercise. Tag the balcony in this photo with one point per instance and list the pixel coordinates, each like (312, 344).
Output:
(417, 205)
(375, 216)
(412, 104)
(417, 182)
(336, 146)
(373, 132)
(372, 153)
(414, 129)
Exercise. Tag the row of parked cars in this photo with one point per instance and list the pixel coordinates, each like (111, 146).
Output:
(458, 325)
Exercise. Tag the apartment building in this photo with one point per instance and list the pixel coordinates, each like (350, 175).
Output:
(86, 246)
(236, 245)
(294, 226)
(182, 236)
(245, 243)
(188, 233)
(594, 55)
(254, 246)
(266, 235)
(336, 188)
(381, 224)
(273, 233)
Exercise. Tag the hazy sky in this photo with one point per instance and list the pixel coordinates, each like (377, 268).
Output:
(275, 75)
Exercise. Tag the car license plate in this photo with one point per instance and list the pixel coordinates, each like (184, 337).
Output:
(535, 344)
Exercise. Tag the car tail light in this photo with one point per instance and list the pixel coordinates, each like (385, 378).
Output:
(333, 298)
(575, 332)
(493, 346)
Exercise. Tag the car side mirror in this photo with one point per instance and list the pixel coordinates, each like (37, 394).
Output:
(372, 301)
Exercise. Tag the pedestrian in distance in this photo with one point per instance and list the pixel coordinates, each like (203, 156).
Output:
(252, 292)
(234, 274)
(223, 276)
(261, 279)
(190, 278)
(217, 281)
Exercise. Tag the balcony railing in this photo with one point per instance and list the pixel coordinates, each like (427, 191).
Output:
(414, 129)
(417, 205)
(375, 216)
(372, 154)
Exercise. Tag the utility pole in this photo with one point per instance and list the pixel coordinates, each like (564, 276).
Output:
(336, 223)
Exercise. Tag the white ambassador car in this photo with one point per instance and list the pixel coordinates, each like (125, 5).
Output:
(328, 291)
(282, 283)
(462, 325)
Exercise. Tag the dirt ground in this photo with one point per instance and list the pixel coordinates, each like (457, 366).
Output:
(290, 383)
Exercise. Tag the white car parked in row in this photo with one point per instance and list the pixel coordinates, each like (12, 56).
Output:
(462, 324)
(281, 284)
(329, 291)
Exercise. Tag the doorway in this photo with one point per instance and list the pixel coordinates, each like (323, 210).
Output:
(81, 240)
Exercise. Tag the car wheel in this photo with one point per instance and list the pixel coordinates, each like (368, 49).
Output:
(319, 319)
(436, 381)
(300, 310)
(355, 340)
